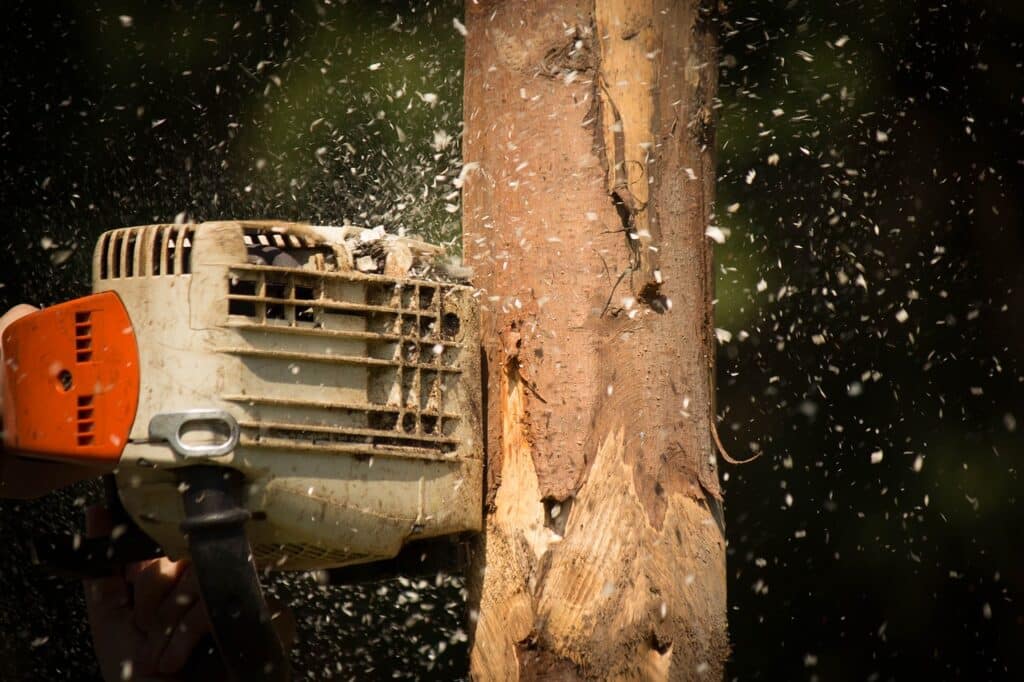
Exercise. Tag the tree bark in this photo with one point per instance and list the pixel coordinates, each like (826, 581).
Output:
(587, 190)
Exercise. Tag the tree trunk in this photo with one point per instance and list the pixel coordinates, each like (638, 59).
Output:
(587, 190)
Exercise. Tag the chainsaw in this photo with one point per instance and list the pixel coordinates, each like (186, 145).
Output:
(259, 396)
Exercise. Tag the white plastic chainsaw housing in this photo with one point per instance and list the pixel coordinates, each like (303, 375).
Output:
(354, 383)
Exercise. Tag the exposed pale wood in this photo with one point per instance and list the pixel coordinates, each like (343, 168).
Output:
(515, 539)
(587, 120)
(627, 50)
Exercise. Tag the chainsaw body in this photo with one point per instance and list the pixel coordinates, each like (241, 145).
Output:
(347, 399)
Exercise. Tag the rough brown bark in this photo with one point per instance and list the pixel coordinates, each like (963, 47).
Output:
(589, 183)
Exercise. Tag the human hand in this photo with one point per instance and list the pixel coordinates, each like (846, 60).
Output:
(145, 623)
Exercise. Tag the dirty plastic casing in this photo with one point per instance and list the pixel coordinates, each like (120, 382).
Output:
(356, 395)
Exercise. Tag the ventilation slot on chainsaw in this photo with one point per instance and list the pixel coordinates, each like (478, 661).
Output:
(396, 338)
(287, 249)
(145, 252)
(86, 420)
(83, 336)
(179, 251)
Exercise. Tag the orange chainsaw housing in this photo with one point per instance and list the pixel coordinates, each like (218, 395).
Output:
(71, 385)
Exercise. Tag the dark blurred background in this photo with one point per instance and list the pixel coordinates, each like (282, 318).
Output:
(871, 155)
(871, 167)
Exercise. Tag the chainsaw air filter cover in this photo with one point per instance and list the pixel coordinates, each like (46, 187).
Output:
(325, 363)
